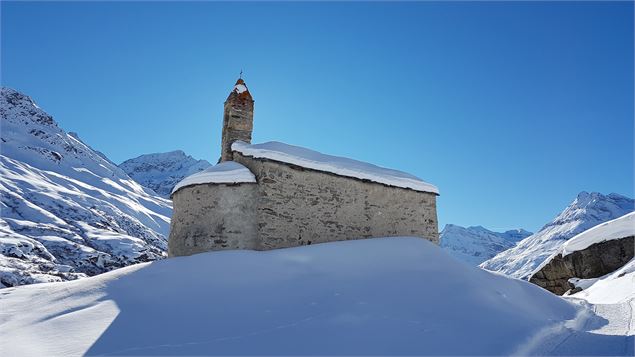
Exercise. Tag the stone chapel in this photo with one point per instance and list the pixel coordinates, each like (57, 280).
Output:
(274, 195)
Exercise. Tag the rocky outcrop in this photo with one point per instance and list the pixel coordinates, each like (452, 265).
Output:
(595, 261)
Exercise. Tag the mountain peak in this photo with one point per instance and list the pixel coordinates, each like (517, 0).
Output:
(14, 104)
(162, 171)
(476, 244)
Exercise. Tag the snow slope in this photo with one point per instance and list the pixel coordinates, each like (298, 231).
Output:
(612, 296)
(612, 299)
(474, 245)
(613, 288)
(66, 210)
(310, 159)
(615, 229)
(162, 171)
(586, 211)
(387, 296)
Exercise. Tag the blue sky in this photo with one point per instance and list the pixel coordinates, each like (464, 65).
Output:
(510, 108)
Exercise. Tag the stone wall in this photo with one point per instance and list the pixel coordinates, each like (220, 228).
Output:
(593, 262)
(213, 217)
(298, 206)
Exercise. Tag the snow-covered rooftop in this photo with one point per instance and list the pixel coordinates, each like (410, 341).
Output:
(618, 228)
(333, 164)
(225, 172)
(239, 88)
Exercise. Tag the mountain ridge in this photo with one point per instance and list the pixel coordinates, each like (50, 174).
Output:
(476, 244)
(67, 211)
(162, 171)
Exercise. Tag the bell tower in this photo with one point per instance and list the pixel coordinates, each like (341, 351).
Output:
(238, 118)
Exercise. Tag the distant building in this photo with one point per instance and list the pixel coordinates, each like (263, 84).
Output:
(274, 195)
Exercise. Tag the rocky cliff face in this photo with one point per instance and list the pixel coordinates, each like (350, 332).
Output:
(66, 211)
(593, 262)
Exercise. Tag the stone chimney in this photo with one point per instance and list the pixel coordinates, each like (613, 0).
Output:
(238, 119)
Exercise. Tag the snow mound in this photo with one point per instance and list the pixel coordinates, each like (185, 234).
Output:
(474, 245)
(586, 211)
(386, 296)
(618, 228)
(225, 172)
(162, 171)
(334, 164)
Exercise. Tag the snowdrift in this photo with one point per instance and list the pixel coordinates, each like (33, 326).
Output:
(387, 296)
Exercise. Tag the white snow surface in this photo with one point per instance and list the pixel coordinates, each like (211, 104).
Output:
(474, 245)
(605, 328)
(612, 300)
(615, 229)
(613, 288)
(342, 166)
(240, 88)
(224, 172)
(66, 211)
(586, 211)
(386, 296)
(162, 171)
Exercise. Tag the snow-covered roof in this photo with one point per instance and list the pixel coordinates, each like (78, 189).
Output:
(239, 88)
(342, 166)
(615, 229)
(225, 172)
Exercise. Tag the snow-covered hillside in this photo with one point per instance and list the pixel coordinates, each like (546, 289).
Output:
(586, 211)
(161, 172)
(614, 229)
(387, 296)
(66, 210)
(474, 245)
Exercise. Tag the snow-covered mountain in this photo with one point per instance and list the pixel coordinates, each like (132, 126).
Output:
(474, 245)
(66, 210)
(162, 171)
(586, 211)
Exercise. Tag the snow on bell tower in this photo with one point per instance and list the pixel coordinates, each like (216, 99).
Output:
(238, 119)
